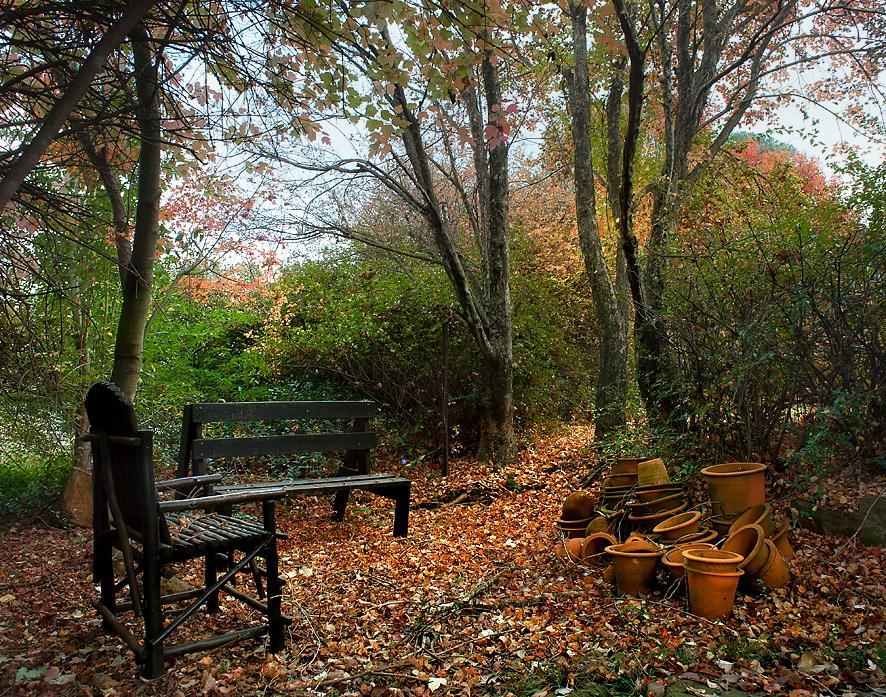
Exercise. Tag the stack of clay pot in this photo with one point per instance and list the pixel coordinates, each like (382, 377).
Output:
(741, 514)
(577, 512)
(655, 498)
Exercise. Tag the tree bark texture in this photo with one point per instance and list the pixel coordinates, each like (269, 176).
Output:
(139, 272)
(611, 395)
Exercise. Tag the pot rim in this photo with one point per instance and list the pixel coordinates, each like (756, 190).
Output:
(758, 545)
(690, 518)
(783, 528)
(690, 570)
(688, 553)
(643, 504)
(663, 515)
(765, 510)
(702, 534)
(747, 469)
(611, 549)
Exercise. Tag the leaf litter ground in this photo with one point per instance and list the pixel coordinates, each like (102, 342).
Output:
(473, 602)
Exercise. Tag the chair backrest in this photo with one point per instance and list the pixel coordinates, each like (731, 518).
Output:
(112, 414)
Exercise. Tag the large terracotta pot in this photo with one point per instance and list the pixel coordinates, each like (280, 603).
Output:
(748, 541)
(676, 526)
(712, 594)
(634, 570)
(760, 514)
(645, 523)
(714, 560)
(664, 503)
(781, 540)
(735, 486)
(703, 535)
(595, 546)
(673, 560)
(775, 572)
(628, 465)
(652, 472)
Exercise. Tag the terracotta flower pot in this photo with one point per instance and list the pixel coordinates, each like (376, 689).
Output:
(573, 548)
(721, 524)
(775, 572)
(760, 514)
(609, 573)
(712, 594)
(619, 480)
(676, 526)
(735, 486)
(634, 568)
(645, 523)
(658, 505)
(652, 472)
(598, 524)
(571, 528)
(703, 535)
(673, 560)
(748, 541)
(715, 560)
(654, 491)
(576, 506)
(781, 540)
(595, 546)
(628, 465)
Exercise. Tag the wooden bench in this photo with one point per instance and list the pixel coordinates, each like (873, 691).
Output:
(356, 444)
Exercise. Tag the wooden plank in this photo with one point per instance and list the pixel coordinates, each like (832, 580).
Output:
(280, 411)
(207, 448)
(306, 486)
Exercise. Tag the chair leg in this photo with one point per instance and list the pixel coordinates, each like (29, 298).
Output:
(401, 513)
(340, 503)
(153, 667)
(210, 575)
(104, 566)
(274, 589)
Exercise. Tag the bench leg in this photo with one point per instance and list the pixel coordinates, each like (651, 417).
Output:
(401, 513)
(340, 503)
(274, 588)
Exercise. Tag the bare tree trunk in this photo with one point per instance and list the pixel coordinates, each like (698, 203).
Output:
(139, 272)
(611, 394)
(61, 110)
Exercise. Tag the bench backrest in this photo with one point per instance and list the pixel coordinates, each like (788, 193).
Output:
(355, 443)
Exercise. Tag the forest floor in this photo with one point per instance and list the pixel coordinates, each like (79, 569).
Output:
(474, 601)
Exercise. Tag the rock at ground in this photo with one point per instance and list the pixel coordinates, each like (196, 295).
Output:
(869, 521)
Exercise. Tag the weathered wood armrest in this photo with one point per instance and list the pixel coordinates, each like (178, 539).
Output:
(113, 440)
(221, 500)
(185, 483)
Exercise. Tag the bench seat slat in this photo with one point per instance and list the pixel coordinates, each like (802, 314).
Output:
(325, 484)
(209, 448)
(280, 411)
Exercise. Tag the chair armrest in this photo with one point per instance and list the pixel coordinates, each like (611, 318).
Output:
(220, 500)
(188, 482)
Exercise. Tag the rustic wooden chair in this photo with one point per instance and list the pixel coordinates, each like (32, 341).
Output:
(152, 533)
